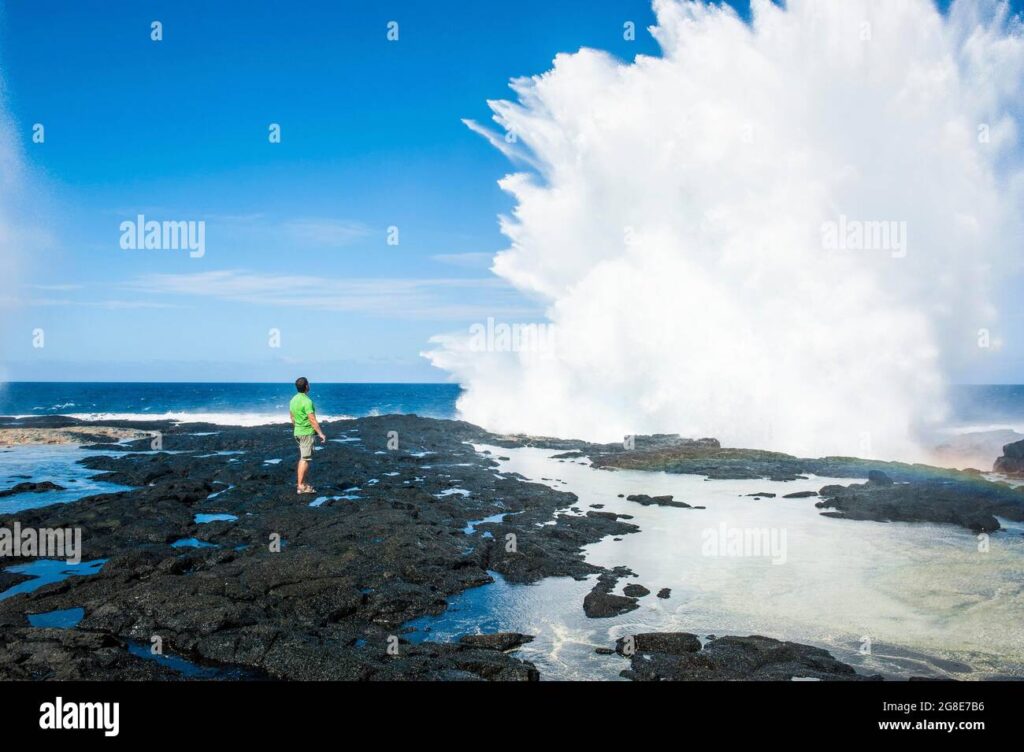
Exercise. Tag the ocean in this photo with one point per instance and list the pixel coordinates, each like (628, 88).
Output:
(972, 408)
(222, 403)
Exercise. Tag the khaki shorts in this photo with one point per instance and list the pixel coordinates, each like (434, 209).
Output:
(305, 447)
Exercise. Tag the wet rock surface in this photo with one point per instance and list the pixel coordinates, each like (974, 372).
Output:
(28, 487)
(10, 579)
(61, 430)
(678, 656)
(601, 603)
(895, 491)
(285, 589)
(669, 643)
(660, 501)
(63, 654)
(973, 504)
(1012, 461)
(503, 641)
(716, 462)
(635, 591)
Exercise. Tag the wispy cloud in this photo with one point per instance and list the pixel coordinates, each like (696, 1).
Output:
(326, 233)
(56, 287)
(129, 304)
(477, 260)
(437, 298)
(15, 302)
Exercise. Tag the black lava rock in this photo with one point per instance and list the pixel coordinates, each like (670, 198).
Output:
(679, 657)
(1012, 461)
(660, 501)
(31, 488)
(635, 591)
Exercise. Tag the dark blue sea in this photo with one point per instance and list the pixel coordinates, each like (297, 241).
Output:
(972, 407)
(230, 404)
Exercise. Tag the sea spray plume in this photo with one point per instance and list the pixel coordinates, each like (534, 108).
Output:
(677, 227)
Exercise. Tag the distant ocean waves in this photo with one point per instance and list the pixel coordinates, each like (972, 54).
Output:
(221, 418)
(973, 408)
(223, 404)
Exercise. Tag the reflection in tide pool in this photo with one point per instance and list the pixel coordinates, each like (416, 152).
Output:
(65, 618)
(56, 463)
(564, 645)
(204, 519)
(47, 571)
(185, 667)
(923, 597)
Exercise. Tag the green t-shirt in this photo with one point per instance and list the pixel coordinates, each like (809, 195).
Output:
(301, 408)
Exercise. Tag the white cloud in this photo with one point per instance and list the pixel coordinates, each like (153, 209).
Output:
(326, 233)
(14, 302)
(56, 287)
(476, 260)
(441, 298)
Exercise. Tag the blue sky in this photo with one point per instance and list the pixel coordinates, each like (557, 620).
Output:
(295, 232)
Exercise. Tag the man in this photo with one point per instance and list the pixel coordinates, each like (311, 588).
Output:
(303, 415)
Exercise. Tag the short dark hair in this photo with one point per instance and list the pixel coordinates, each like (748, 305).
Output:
(301, 384)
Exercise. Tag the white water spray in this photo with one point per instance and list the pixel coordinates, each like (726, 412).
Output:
(782, 234)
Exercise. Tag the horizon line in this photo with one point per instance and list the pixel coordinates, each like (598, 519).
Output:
(368, 383)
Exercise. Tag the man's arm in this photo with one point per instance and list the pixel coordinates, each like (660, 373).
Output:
(316, 427)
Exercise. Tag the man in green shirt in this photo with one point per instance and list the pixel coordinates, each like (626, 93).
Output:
(303, 415)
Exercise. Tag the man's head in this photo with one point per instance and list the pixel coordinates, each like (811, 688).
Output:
(302, 384)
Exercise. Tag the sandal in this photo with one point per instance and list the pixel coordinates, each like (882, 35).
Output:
(305, 490)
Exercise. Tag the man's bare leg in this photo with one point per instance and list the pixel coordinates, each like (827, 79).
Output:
(302, 470)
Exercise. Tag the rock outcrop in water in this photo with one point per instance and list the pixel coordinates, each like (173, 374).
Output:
(973, 504)
(503, 641)
(659, 501)
(601, 603)
(895, 491)
(1012, 461)
(28, 487)
(679, 656)
(61, 430)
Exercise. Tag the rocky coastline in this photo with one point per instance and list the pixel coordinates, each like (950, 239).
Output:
(213, 555)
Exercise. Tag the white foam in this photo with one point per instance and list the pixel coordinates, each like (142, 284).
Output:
(677, 227)
(217, 418)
